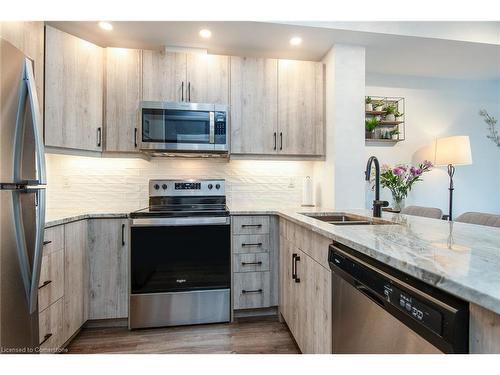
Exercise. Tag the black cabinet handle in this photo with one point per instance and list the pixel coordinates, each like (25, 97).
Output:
(297, 259)
(182, 91)
(123, 234)
(293, 266)
(99, 136)
(251, 225)
(45, 338)
(189, 91)
(46, 242)
(281, 141)
(251, 263)
(274, 148)
(135, 137)
(45, 283)
(251, 244)
(252, 291)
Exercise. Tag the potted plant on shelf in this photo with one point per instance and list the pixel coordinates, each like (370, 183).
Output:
(378, 105)
(368, 104)
(394, 134)
(400, 179)
(370, 125)
(390, 112)
(399, 116)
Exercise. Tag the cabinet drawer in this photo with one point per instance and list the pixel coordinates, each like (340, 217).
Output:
(250, 224)
(252, 290)
(251, 243)
(51, 328)
(51, 285)
(53, 239)
(251, 262)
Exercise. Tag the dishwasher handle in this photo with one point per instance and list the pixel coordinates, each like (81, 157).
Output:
(370, 294)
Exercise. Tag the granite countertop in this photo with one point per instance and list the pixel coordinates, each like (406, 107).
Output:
(461, 259)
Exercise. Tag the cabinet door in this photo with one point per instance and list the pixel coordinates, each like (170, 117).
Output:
(300, 108)
(75, 276)
(208, 78)
(123, 96)
(288, 287)
(254, 105)
(164, 76)
(108, 271)
(314, 306)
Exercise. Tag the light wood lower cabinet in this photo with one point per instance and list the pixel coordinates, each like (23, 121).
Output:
(108, 270)
(51, 285)
(305, 295)
(51, 328)
(75, 276)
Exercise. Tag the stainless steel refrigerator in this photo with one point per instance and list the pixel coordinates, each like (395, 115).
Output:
(22, 202)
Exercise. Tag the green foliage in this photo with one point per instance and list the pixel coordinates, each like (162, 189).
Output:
(368, 100)
(390, 109)
(371, 123)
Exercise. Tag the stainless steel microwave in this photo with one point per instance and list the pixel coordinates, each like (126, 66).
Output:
(184, 127)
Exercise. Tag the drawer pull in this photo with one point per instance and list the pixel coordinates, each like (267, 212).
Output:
(251, 291)
(252, 244)
(45, 338)
(251, 225)
(45, 283)
(259, 263)
(46, 242)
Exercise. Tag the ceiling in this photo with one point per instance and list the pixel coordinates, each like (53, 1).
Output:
(445, 51)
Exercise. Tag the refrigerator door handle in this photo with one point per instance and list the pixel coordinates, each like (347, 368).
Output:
(31, 277)
(28, 91)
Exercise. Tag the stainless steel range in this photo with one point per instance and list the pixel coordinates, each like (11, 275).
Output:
(180, 255)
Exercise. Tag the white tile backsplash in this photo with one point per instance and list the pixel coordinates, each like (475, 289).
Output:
(120, 185)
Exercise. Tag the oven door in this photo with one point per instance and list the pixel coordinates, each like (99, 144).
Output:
(180, 255)
(177, 126)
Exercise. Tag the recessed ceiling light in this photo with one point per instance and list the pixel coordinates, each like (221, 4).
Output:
(205, 33)
(296, 40)
(105, 26)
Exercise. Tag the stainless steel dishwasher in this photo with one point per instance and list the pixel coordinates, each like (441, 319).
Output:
(378, 309)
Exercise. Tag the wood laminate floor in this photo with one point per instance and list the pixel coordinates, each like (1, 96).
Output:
(252, 336)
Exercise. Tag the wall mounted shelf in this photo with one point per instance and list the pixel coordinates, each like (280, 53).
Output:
(388, 124)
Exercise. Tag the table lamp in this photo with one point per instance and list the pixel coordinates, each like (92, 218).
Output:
(449, 152)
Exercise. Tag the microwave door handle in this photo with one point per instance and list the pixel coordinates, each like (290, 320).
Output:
(212, 128)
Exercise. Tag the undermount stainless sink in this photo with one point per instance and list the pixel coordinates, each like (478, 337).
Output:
(341, 218)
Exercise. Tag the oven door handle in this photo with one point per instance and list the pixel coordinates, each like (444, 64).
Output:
(180, 221)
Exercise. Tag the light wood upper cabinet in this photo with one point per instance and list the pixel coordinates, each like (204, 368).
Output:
(164, 76)
(123, 96)
(207, 78)
(108, 259)
(73, 92)
(254, 105)
(75, 276)
(300, 106)
(185, 77)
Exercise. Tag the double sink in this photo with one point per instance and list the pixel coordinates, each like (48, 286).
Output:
(341, 218)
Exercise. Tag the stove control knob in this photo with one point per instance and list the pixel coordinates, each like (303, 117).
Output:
(217, 186)
(156, 186)
(164, 186)
(210, 186)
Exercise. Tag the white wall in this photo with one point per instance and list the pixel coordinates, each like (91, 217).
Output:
(87, 184)
(439, 108)
(339, 179)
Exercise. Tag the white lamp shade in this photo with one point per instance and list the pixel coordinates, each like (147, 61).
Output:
(453, 150)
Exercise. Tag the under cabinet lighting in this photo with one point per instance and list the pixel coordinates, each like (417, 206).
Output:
(105, 26)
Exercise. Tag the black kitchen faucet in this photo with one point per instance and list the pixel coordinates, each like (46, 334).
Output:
(377, 203)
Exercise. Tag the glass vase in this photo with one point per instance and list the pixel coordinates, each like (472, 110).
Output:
(398, 203)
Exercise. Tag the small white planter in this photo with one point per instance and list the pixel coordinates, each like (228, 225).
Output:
(379, 108)
(400, 118)
(390, 117)
(369, 107)
(395, 137)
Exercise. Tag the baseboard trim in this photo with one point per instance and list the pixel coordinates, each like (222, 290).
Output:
(106, 323)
